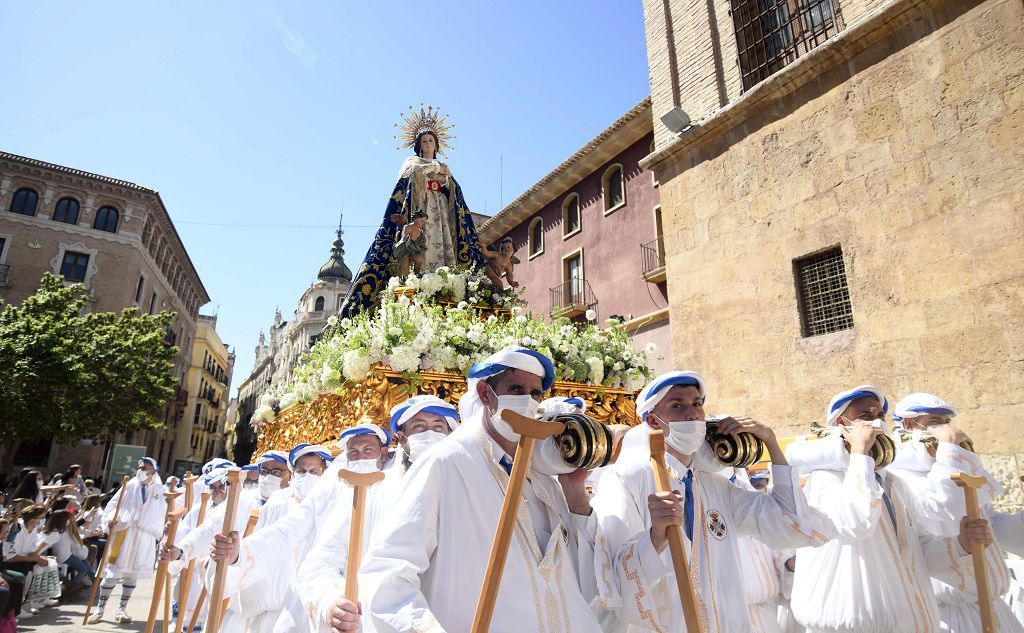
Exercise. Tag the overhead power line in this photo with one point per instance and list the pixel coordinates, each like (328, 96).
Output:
(254, 225)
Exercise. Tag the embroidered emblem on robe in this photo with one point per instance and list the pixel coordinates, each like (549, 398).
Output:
(716, 524)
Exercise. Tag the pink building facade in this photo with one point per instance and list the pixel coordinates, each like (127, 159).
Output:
(589, 236)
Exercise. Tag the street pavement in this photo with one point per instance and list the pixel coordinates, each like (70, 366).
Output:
(67, 616)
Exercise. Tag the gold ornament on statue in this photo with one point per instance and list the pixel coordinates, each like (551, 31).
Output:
(740, 450)
(883, 451)
(428, 119)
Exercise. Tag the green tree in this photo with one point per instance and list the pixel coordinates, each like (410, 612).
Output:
(66, 375)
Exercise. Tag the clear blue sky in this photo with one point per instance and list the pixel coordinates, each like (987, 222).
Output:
(279, 113)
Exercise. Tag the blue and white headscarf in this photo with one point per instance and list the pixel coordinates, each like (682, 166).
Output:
(272, 456)
(841, 400)
(151, 462)
(561, 404)
(402, 413)
(918, 404)
(363, 429)
(515, 357)
(511, 357)
(653, 393)
(217, 476)
(301, 450)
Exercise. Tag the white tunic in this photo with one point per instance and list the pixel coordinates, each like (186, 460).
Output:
(188, 523)
(320, 580)
(638, 583)
(874, 576)
(144, 521)
(928, 479)
(255, 608)
(283, 545)
(427, 563)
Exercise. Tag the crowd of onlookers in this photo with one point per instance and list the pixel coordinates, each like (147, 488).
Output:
(51, 537)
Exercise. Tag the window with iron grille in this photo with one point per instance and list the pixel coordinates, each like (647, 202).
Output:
(823, 293)
(770, 34)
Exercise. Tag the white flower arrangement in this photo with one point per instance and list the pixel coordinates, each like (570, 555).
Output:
(430, 332)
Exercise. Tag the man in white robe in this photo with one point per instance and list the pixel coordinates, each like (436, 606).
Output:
(256, 607)
(214, 483)
(427, 561)
(926, 473)
(635, 568)
(142, 520)
(873, 577)
(196, 544)
(418, 424)
(259, 558)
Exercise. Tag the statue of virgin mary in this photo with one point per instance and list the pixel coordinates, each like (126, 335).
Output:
(424, 184)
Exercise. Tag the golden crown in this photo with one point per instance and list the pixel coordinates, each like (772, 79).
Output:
(428, 119)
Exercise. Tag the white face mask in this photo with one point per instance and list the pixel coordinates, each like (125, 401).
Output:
(686, 436)
(302, 484)
(141, 476)
(523, 405)
(362, 466)
(250, 483)
(547, 458)
(421, 441)
(269, 484)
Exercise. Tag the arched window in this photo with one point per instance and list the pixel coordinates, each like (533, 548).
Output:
(570, 215)
(613, 188)
(319, 304)
(24, 201)
(106, 220)
(66, 211)
(536, 237)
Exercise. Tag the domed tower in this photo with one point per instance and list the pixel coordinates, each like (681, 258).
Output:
(335, 269)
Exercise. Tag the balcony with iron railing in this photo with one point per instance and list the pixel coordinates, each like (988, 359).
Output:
(572, 298)
(653, 255)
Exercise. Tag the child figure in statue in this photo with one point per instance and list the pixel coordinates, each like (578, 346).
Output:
(500, 262)
(413, 245)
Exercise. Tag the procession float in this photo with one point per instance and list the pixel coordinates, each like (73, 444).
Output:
(427, 302)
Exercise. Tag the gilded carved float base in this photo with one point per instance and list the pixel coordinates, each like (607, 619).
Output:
(323, 420)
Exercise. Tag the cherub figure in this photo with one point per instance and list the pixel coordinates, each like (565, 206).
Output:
(500, 262)
(412, 247)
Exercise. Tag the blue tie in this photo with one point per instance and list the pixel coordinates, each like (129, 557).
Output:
(688, 504)
(506, 464)
(888, 502)
(143, 489)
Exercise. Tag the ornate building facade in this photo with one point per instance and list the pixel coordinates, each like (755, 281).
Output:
(290, 340)
(118, 239)
(209, 380)
(589, 236)
(841, 186)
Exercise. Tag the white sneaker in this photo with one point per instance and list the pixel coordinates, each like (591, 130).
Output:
(24, 615)
(121, 617)
(52, 602)
(96, 617)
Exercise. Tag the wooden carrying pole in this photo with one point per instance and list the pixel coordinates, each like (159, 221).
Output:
(171, 522)
(250, 525)
(190, 481)
(359, 482)
(217, 591)
(254, 516)
(185, 578)
(529, 431)
(106, 553)
(675, 536)
(970, 485)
